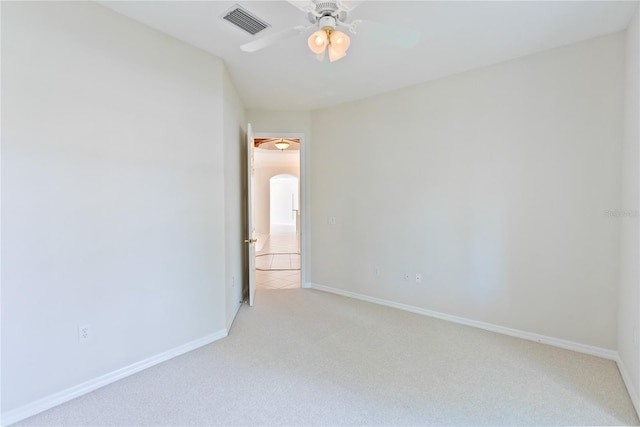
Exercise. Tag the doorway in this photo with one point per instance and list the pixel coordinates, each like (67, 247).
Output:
(283, 200)
(277, 213)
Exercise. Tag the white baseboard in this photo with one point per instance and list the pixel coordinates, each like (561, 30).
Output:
(556, 342)
(633, 393)
(230, 321)
(63, 396)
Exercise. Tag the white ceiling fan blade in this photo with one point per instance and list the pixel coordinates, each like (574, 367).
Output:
(405, 38)
(270, 39)
(349, 5)
(308, 6)
(304, 5)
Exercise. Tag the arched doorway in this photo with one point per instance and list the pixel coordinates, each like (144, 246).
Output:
(283, 202)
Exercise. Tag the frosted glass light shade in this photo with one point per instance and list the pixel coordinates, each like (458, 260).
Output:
(334, 54)
(340, 42)
(282, 144)
(318, 41)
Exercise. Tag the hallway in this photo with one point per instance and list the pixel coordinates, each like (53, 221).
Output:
(278, 261)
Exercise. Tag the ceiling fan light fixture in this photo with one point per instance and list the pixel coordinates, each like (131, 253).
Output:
(329, 40)
(318, 41)
(282, 144)
(340, 41)
(335, 54)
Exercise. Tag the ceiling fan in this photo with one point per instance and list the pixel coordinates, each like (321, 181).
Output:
(327, 16)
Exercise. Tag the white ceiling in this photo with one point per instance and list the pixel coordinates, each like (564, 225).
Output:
(273, 158)
(455, 37)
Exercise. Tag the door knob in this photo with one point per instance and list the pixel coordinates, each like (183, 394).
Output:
(250, 240)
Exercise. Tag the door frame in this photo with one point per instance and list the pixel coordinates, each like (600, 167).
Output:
(305, 223)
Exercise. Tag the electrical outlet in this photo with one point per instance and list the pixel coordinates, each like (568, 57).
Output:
(418, 278)
(407, 277)
(376, 270)
(84, 333)
(332, 220)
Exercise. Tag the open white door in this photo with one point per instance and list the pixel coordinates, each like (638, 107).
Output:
(250, 240)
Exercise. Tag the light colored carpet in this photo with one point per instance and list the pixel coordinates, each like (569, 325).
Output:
(304, 357)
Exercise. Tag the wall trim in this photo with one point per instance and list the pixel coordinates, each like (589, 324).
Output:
(233, 318)
(633, 393)
(556, 342)
(48, 402)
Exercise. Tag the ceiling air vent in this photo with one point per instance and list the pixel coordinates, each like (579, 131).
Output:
(244, 20)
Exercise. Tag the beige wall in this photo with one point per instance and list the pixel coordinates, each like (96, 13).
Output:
(629, 311)
(113, 196)
(280, 121)
(493, 184)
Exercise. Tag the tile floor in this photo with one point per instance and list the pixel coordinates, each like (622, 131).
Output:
(278, 260)
(273, 261)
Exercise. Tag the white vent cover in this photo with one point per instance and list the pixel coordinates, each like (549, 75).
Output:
(244, 20)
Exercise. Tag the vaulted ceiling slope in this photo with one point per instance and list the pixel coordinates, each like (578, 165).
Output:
(455, 37)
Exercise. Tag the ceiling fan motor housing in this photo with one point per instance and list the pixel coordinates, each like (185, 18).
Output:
(324, 9)
(326, 6)
(327, 22)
